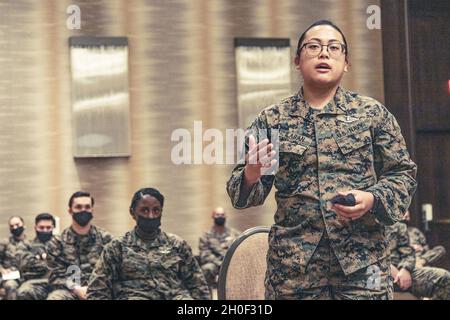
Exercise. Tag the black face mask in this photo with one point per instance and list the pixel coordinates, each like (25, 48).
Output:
(219, 221)
(148, 225)
(82, 217)
(17, 232)
(44, 236)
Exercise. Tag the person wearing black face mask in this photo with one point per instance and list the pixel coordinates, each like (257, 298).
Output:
(33, 261)
(147, 263)
(9, 261)
(214, 244)
(79, 246)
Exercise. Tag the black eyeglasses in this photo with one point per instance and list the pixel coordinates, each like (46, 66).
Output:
(313, 49)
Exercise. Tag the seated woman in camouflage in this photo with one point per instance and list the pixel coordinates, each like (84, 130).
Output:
(147, 263)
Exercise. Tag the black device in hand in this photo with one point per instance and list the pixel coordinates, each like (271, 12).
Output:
(348, 200)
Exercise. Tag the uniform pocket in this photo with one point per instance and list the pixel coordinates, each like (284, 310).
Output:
(356, 155)
(135, 266)
(353, 141)
(170, 262)
(287, 249)
(292, 147)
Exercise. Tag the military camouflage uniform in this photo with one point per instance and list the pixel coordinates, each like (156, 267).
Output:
(426, 281)
(9, 259)
(430, 256)
(34, 270)
(352, 143)
(162, 268)
(73, 257)
(212, 249)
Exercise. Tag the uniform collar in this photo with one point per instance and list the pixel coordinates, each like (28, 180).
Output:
(338, 105)
(157, 241)
(225, 231)
(71, 236)
(13, 240)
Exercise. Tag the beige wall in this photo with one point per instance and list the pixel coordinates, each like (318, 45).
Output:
(181, 70)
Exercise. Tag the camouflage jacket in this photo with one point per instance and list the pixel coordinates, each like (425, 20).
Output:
(9, 252)
(401, 253)
(417, 237)
(214, 245)
(72, 255)
(162, 268)
(352, 143)
(32, 264)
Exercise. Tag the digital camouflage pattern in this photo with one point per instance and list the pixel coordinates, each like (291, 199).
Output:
(352, 143)
(429, 256)
(213, 246)
(427, 282)
(9, 248)
(325, 280)
(73, 256)
(162, 268)
(9, 259)
(32, 262)
(35, 271)
(401, 253)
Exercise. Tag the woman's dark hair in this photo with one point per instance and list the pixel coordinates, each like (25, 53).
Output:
(321, 23)
(146, 191)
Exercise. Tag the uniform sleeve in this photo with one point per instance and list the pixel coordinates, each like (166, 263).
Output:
(2, 253)
(394, 168)
(32, 267)
(404, 250)
(413, 236)
(191, 274)
(432, 256)
(106, 238)
(12, 257)
(261, 189)
(105, 273)
(57, 264)
(206, 253)
(422, 240)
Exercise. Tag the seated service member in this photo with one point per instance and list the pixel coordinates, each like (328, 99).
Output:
(72, 256)
(147, 263)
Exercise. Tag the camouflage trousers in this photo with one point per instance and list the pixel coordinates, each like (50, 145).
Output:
(210, 271)
(430, 282)
(62, 294)
(35, 289)
(432, 256)
(324, 279)
(10, 287)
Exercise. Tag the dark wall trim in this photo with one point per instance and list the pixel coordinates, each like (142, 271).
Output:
(86, 41)
(261, 42)
(397, 76)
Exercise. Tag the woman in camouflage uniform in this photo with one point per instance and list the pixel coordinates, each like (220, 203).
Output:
(331, 142)
(147, 263)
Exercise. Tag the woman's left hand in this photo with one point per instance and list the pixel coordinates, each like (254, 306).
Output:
(364, 202)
